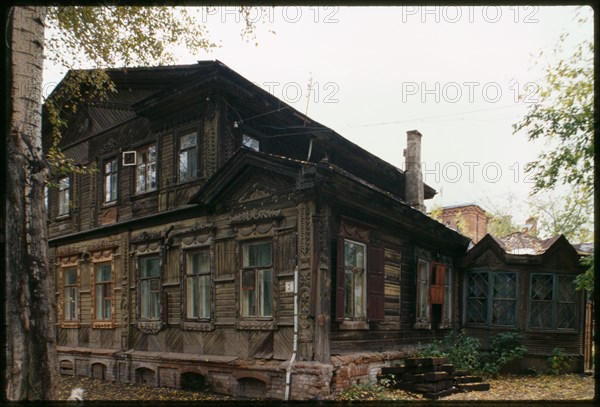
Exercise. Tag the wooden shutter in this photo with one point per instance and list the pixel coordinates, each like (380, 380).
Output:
(339, 282)
(375, 284)
(436, 287)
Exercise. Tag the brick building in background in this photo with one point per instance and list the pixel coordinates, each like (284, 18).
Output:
(469, 219)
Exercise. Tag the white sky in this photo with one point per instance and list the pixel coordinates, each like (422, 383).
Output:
(451, 73)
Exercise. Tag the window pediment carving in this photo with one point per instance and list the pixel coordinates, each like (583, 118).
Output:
(254, 215)
(353, 232)
(150, 327)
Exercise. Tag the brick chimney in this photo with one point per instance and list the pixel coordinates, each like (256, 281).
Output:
(413, 181)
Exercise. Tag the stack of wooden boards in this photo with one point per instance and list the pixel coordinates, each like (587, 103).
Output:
(433, 377)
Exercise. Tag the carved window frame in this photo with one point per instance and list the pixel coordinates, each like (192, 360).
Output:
(254, 226)
(69, 263)
(196, 239)
(98, 258)
(148, 245)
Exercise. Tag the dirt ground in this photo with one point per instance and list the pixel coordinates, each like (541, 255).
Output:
(509, 387)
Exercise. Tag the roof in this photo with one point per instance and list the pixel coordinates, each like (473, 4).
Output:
(146, 92)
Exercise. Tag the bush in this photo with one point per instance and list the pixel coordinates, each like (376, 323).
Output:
(504, 347)
(460, 350)
(558, 361)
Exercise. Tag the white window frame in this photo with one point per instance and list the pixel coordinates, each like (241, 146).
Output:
(110, 180)
(355, 283)
(64, 196)
(146, 169)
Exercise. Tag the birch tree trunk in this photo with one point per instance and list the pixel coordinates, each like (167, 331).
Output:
(31, 362)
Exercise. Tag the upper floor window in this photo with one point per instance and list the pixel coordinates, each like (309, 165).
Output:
(71, 294)
(64, 196)
(553, 302)
(110, 178)
(149, 272)
(491, 298)
(188, 157)
(250, 142)
(197, 285)
(257, 280)
(145, 170)
(355, 265)
(103, 291)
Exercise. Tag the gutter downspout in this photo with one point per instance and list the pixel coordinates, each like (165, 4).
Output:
(288, 373)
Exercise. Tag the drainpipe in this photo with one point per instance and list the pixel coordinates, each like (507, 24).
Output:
(288, 373)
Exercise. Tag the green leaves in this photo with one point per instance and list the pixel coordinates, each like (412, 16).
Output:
(564, 117)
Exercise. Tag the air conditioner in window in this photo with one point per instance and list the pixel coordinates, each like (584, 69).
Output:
(129, 158)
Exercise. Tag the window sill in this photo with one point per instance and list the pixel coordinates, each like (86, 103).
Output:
(70, 324)
(110, 204)
(103, 324)
(142, 195)
(197, 326)
(63, 217)
(422, 325)
(256, 325)
(354, 325)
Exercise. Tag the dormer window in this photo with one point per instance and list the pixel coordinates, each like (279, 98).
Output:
(64, 196)
(110, 180)
(251, 143)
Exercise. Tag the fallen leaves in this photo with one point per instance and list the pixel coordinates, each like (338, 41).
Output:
(506, 387)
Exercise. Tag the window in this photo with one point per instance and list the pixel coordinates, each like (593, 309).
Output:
(355, 265)
(491, 298)
(198, 286)
(251, 143)
(257, 280)
(64, 196)
(71, 294)
(447, 314)
(145, 169)
(423, 308)
(149, 271)
(110, 175)
(103, 291)
(188, 157)
(553, 302)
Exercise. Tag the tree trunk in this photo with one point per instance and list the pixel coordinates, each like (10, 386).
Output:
(31, 362)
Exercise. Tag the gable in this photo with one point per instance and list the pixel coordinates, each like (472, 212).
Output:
(254, 187)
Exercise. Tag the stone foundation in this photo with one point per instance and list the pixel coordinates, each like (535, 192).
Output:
(236, 377)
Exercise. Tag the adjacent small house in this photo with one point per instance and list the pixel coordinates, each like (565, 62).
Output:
(523, 284)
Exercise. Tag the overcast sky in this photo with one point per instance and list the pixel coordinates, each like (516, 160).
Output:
(452, 73)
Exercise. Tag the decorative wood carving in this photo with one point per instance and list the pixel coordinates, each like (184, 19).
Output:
(197, 326)
(125, 291)
(104, 245)
(304, 274)
(353, 232)
(110, 146)
(145, 236)
(256, 325)
(150, 327)
(304, 225)
(256, 192)
(255, 215)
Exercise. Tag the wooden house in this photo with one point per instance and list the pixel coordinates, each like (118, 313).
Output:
(523, 284)
(228, 242)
